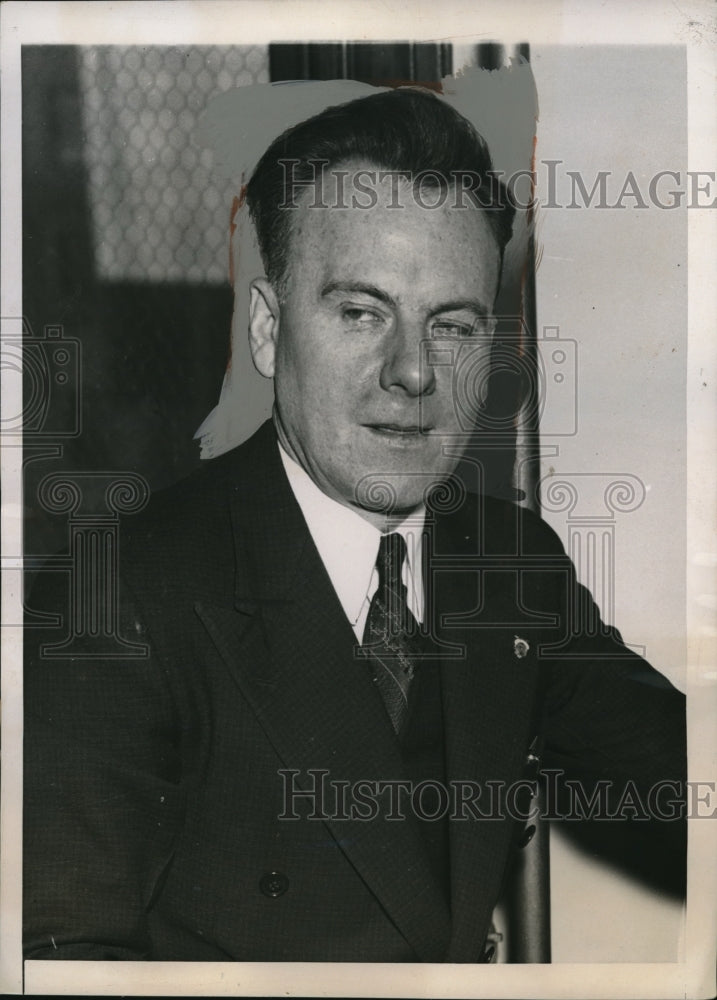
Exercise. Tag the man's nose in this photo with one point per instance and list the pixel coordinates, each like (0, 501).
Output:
(406, 366)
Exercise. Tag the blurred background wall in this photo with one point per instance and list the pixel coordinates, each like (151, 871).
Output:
(614, 282)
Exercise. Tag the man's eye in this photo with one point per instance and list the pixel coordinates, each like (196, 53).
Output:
(356, 314)
(451, 328)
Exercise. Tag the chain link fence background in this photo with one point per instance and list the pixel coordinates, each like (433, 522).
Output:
(158, 213)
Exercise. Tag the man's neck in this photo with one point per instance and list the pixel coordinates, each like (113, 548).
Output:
(383, 521)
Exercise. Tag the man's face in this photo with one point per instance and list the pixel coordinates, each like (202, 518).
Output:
(374, 297)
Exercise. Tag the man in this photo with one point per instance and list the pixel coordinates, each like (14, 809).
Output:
(353, 665)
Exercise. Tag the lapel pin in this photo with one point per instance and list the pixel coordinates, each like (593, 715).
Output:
(520, 647)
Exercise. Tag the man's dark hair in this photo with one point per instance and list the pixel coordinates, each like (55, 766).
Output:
(409, 130)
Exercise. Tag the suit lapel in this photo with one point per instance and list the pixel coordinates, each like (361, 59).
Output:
(289, 646)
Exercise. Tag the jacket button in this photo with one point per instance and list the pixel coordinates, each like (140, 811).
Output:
(273, 884)
(527, 835)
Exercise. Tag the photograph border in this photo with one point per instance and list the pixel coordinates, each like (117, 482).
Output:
(691, 24)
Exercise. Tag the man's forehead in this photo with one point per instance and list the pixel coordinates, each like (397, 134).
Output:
(385, 201)
(398, 266)
(372, 217)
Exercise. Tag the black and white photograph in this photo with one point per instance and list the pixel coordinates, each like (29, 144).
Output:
(358, 499)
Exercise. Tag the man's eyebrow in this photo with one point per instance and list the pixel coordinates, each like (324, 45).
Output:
(472, 305)
(360, 287)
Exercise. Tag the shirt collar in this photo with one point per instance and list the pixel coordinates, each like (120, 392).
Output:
(348, 544)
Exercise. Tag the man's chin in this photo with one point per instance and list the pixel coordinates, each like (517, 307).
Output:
(400, 492)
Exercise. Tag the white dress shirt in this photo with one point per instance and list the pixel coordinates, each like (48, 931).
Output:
(348, 546)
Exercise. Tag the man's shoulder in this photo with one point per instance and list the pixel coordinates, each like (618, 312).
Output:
(194, 514)
(501, 526)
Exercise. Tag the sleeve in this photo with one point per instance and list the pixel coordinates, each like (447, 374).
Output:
(615, 742)
(102, 793)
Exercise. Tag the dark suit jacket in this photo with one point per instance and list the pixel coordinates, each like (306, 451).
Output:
(153, 791)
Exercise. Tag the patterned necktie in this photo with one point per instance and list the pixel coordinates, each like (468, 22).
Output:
(389, 639)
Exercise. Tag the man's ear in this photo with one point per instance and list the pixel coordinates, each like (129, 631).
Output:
(263, 326)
